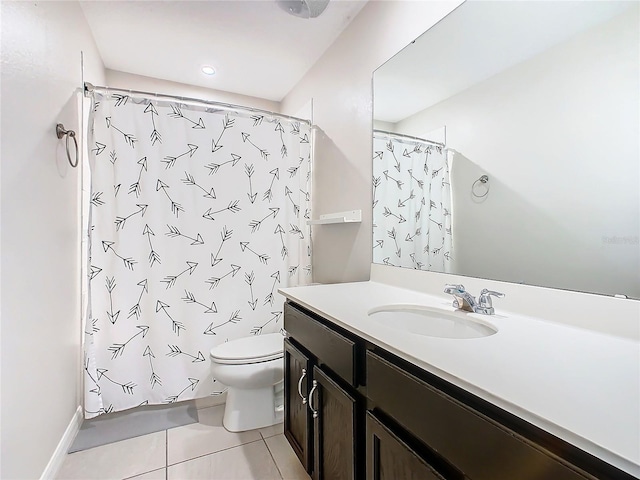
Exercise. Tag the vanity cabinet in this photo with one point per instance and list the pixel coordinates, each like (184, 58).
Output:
(381, 417)
(470, 442)
(321, 401)
(390, 458)
(334, 430)
(297, 416)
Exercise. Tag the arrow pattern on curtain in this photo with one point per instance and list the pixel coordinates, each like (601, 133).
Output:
(412, 222)
(191, 252)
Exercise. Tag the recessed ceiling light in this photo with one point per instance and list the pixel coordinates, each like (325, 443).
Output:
(208, 70)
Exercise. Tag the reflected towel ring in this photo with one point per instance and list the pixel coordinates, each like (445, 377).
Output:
(61, 132)
(483, 180)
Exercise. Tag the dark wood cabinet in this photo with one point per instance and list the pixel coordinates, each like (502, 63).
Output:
(380, 417)
(297, 416)
(334, 429)
(321, 405)
(477, 446)
(390, 458)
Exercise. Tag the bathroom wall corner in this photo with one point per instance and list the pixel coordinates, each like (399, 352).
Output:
(60, 453)
(340, 84)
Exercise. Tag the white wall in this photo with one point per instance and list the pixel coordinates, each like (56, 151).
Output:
(340, 85)
(556, 198)
(41, 332)
(129, 81)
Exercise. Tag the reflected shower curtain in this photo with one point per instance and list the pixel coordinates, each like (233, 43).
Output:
(197, 217)
(411, 204)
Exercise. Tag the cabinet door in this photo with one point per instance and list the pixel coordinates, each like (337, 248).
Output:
(389, 458)
(334, 429)
(297, 417)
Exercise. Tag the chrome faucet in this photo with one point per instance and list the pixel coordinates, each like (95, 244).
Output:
(461, 298)
(465, 301)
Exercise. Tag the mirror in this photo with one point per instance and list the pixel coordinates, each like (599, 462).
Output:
(506, 146)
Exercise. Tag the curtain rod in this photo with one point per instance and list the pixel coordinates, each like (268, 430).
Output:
(89, 88)
(409, 137)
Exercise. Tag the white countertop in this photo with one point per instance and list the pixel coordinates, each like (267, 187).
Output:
(580, 385)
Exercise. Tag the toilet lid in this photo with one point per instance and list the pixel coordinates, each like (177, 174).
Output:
(259, 348)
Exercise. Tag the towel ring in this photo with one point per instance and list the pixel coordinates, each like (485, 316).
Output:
(61, 132)
(483, 180)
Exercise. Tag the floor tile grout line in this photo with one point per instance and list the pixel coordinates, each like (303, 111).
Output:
(143, 473)
(273, 458)
(269, 436)
(212, 453)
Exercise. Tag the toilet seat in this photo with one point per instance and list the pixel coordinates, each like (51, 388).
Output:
(256, 349)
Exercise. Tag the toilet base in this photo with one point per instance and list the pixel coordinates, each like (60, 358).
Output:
(253, 408)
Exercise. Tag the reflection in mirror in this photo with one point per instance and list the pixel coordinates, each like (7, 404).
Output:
(539, 99)
(411, 202)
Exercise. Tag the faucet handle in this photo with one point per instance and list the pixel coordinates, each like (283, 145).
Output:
(458, 287)
(484, 301)
(484, 291)
(460, 296)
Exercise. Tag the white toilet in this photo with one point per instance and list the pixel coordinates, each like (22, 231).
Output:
(253, 369)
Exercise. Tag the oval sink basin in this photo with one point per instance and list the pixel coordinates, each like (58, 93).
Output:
(432, 322)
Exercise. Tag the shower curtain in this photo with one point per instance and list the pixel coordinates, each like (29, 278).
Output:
(411, 204)
(197, 216)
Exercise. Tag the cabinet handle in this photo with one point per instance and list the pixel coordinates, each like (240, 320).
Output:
(315, 412)
(304, 374)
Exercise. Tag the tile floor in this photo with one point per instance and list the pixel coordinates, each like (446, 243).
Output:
(200, 450)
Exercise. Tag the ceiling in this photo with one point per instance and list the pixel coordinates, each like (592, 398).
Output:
(475, 42)
(257, 48)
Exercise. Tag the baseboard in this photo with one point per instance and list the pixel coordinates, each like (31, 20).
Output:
(60, 453)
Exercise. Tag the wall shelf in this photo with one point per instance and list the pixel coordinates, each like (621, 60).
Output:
(351, 216)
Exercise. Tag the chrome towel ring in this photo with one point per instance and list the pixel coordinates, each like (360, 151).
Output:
(483, 181)
(61, 132)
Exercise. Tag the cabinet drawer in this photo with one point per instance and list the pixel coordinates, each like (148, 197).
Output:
(330, 347)
(476, 445)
